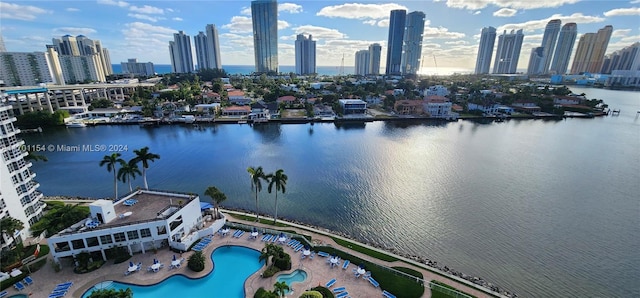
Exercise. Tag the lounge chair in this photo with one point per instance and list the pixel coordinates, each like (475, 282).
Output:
(19, 286)
(323, 254)
(27, 280)
(387, 294)
(341, 295)
(340, 289)
(65, 285)
(345, 265)
(331, 283)
(373, 282)
(366, 275)
(4, 294)
(56, 295)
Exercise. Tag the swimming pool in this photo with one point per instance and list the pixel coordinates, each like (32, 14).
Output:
(233, 265)
(295, 276)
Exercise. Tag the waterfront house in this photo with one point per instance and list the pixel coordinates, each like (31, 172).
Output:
(438, 107)
(409, 107)
(566, 100)
(208, 108)
(525, 107)
(236, 111)
(353, 106)
(141, 222)
(259, 112)
(438, 90)
(287, 99)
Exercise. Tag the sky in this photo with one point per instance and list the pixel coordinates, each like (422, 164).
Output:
(143, 29)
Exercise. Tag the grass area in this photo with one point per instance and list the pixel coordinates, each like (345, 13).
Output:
(364, 250)
(32, 267)
(294, 113)
(442, 292)
(399, 285)
(262, 220)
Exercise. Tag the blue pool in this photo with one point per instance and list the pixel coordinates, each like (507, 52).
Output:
(233, 265)
(295, 276)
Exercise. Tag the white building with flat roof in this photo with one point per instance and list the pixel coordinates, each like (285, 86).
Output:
(140, 222)
(353, 106)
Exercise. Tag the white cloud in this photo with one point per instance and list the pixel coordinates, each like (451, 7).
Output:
(147, 9)
(20, 12)
(359, 10)
(290, 7)
(457, 42)
(505, 12)
(440, 33)
(144, 40)
(281, 25)
(246, 11)
(114, 3)
(177, 19)
(477, 12)
(143, 17)
(620, 32)
(517, 4)
(73, 31)
(630, 39)
(533, 37)
(239, 24)
(533, 25)
(72, 9)
(632, 11)
(370, 22)
(169, 9)
(383, 23)
(319, 32)
(635, 2)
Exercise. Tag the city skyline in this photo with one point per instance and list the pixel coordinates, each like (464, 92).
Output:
(142, 29)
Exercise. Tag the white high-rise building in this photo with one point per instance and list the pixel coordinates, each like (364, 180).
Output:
(412, 48)
(83, 46)
(79, 69)
(208, 48)
(132, 66)
(305, 55)
(200, 43)
(485, 50)
(508, 52)
(362, 62)
(626, 59)
(375, 52)
(549, 39)
(180, 52)
(29, 69)
(19, 195)
(564, 47)
(536, 61)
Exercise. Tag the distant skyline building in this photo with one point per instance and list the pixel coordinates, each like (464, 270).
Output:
(508, 52)
(375, 52)
(264, 19)
(589, 55)
(549, 39)
(485, 50)
(207, 47)
(83, 46)
(397, 22)
(2, 47)
(362, 63)
(564, 48)
(81, 69)
(132, 66)
(305, 55)
(412, 48)
(536, 61)
(30, 68)
(627, 58)
(180, 52)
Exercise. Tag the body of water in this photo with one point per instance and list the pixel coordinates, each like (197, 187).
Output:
(541, 208)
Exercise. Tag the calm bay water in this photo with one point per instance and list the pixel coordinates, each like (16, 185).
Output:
(541, 208)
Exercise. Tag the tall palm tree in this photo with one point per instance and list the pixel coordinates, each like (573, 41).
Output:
(279, 179)
(256, 175)
(112, 161)
(143, 155)
(217, 196)
(9, 226)
(127, 172)
(280, 288)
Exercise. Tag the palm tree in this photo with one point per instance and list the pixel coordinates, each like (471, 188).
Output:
(112, 161)
(280, 288)
(279, 179)
(9, 226)
(217, 196)
(127, 172)
(256, 175)
(143, 155)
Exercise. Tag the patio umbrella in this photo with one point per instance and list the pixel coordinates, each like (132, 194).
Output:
(174, 257)
(131, 264)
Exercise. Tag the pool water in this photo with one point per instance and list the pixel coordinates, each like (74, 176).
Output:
(295, 276)
(233, 265)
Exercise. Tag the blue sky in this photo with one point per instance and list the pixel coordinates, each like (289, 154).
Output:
(143, 29)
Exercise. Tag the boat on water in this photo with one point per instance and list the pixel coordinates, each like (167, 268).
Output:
(75, 124)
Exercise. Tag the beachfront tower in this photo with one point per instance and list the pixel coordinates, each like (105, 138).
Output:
(375, 51)
(485, 50)
(564, 47)
(180, 52)
(264, 17)
(394, 45)
(549, 39)
(305, 55)
(508, 52)
(412, 48)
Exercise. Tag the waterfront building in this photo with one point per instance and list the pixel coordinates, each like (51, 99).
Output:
(30, 69)
(140, 222)
(589, 55)
(208, 48)
(82, 46)
(264, 19)
(375, 51)
(19, 195)
(508, 52)
(132, 66)
(436, 90)
(564, 47)
(180, 52)
(412, 48)
(627, 58)
(353, 106)
(397, 21)
(536, 61)
(79, 69)
(66, 45)
(548, 45)
(485, 50)
(305, 55)
(362, 62)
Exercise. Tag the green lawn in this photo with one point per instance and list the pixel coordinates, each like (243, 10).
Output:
(447, 291)
(364, 250)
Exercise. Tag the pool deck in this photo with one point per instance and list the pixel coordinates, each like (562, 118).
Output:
(318, 271)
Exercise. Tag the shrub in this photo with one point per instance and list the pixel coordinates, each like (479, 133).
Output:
(282, 261)
(196, 261)
(270, 271)
(262, 293)
(326, 293)
(311, 294)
